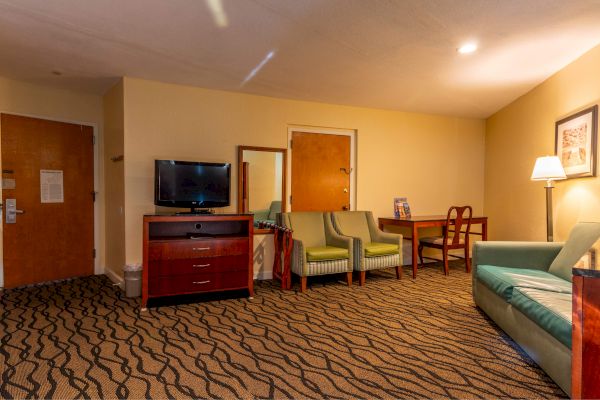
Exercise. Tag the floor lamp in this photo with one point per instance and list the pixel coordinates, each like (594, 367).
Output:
(548, 169)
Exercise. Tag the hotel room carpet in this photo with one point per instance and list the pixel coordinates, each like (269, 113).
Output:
(420, 338)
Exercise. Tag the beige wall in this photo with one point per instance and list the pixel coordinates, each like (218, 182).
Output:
(46, 102)
(435, 161)
(114, 180)
(523, 131)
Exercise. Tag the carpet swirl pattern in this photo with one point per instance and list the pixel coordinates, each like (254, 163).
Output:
(420, 338)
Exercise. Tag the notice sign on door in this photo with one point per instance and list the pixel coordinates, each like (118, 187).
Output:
(51, 186)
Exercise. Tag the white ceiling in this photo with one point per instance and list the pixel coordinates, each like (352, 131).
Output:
(388, 54)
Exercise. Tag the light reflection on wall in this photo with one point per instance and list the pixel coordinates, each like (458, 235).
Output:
(576, 200)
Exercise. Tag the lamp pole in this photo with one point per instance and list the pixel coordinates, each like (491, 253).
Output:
(549, 225)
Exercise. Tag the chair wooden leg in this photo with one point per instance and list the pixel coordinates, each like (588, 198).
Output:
(349, 278)
(399, 272)
(362, 277)
(421, 255)
(303, 284)
(467, 260)
(445, 256)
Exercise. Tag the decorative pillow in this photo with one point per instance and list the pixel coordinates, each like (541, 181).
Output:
(582, 238)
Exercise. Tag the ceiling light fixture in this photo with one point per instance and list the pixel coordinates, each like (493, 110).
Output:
(260, 65)
(467, 48)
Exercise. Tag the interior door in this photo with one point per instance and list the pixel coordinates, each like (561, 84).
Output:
(320, 172)
(48, 195)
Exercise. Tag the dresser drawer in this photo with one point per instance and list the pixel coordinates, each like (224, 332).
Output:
(182, 249)
(186, 266)
(203, 282)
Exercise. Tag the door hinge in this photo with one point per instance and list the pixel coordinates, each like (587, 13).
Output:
(290, 200)
(291, 143)
(93, 140)
(94, 253)
(94, 196)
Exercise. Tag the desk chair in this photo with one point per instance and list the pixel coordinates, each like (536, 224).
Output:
(456, 218)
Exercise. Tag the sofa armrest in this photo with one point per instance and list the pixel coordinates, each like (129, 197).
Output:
(531, 255)
(260, 215)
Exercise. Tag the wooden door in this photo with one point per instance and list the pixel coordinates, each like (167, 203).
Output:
(54, 237)
(320, 172)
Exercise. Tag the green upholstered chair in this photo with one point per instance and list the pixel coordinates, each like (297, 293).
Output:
(373, 248)
(318, 248)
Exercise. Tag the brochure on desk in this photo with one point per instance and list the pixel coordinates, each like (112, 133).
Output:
(401, 207)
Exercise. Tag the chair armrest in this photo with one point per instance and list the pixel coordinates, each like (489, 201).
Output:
(299, 258)
(531, 255)
(386, 237)
(335, 239)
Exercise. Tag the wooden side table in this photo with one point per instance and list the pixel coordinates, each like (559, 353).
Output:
(585, 373)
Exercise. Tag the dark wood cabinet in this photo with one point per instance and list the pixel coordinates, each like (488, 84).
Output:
(195, 254)
(586, 334)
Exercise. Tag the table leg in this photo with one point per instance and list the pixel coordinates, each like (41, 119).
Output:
(484, 230)
(415, 245)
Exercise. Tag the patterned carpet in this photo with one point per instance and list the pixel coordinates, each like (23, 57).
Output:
(390, 339)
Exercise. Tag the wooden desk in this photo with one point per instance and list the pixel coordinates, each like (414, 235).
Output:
(416, 222)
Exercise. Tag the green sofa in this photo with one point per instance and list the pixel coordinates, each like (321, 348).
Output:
(268, 215)
(525, 287)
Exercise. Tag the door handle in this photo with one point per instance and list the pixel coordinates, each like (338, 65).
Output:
(11, 211)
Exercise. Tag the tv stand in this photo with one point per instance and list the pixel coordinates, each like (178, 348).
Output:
(185, 254)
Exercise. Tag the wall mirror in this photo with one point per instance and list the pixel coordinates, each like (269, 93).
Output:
(261, 183)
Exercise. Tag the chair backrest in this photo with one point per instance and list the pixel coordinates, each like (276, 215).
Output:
(308, 226)
(352, 223)
(456, 217)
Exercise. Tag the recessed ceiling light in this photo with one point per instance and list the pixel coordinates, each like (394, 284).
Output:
(467, 48)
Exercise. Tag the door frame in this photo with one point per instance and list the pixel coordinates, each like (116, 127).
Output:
(324, 131)
(98, 269)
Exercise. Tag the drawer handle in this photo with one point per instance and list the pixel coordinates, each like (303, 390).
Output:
(200, 248)
(200, 265)
(200, 282)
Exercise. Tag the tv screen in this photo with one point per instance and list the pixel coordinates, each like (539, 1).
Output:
(191, 184)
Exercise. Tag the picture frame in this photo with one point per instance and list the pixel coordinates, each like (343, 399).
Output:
(575, 142)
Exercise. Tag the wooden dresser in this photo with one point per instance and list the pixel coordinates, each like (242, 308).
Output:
(186, 254)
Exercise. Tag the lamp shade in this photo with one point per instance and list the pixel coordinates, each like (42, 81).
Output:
(548, 168)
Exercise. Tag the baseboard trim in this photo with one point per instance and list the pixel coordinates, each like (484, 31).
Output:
(116, 279)
(263, 276)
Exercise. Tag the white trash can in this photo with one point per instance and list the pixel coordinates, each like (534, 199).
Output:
(133, 280)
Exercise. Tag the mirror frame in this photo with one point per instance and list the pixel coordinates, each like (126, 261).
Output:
(242, 186)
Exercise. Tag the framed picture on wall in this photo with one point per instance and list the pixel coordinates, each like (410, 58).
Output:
(575, 142)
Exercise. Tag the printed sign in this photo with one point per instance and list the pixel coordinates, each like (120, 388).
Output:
(51, 186)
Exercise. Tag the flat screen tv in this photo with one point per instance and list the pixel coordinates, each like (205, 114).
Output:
(191, 184)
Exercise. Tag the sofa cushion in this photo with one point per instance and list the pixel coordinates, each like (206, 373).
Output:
(325, 253)
(502, 280)
(552, 311)
(582, 237)
(274, 209)
(375, 249)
